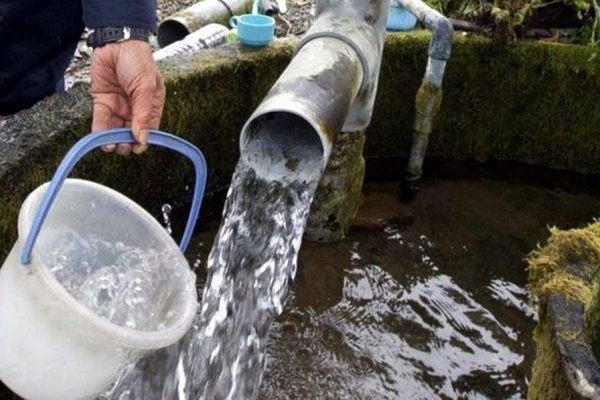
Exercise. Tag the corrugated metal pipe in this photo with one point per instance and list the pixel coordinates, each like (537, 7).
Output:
(328, 86)
(429, 95)
(182, 23)
(206, 37)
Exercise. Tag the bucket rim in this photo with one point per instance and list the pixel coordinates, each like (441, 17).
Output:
(121, 335)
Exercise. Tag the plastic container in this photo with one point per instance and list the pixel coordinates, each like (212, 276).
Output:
(52, 344)
(399, 18)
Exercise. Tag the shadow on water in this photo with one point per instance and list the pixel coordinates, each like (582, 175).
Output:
(420, 301)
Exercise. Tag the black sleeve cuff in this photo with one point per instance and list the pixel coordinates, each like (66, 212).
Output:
(133, 13)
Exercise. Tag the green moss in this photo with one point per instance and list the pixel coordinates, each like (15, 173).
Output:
(548, 381)
(551, 267)
(566, 265)
(427, 105)
(531, 101)
(542, 110)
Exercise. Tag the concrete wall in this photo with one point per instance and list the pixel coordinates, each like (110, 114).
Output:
(531, 101)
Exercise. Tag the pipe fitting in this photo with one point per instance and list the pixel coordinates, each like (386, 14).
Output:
(440, 27)
(429, 95)
(362, 25)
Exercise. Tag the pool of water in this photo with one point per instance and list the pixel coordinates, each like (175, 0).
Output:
(420, 301)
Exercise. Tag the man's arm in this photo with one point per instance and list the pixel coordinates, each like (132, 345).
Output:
(127, 87)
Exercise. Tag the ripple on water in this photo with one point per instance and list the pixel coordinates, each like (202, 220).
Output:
(383, 340)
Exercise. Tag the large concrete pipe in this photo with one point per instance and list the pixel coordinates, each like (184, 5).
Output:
(182, 23)
(329, 86)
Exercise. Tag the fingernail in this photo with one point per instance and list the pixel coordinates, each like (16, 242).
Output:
(109, 148)
(140, 148)
(123, 150)
(144, 136)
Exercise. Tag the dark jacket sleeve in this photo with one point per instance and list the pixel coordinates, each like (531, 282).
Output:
(37, 41)
(132, 13)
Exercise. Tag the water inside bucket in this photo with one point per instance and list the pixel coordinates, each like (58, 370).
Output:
(130, 286)
(114, 258)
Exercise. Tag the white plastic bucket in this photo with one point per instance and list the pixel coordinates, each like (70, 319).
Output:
(54, 346)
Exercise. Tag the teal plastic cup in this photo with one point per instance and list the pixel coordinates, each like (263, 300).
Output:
(254, 30)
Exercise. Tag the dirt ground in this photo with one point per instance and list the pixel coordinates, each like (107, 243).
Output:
(294, 22)
(297, 14)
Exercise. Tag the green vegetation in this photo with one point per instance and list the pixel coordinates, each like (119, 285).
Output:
(542, 110)
(567, 265)
(548, 381)
(576, 21)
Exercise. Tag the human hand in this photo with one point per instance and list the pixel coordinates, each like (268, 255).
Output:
(127, 91)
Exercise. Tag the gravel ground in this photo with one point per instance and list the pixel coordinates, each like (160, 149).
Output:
(294, 22)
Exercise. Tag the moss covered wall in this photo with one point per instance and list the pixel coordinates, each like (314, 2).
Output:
(31, 145)
(533, 102)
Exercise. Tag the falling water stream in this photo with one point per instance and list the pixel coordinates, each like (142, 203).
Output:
(250, 270)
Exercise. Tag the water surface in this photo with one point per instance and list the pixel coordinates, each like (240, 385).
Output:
(424, 301)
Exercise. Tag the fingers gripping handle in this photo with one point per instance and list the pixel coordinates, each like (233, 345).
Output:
(113, 136)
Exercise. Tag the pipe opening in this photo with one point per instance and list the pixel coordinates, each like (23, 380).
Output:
(171, 31)
(282, 146)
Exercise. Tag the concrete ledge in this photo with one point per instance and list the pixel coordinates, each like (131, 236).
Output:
(532, 102)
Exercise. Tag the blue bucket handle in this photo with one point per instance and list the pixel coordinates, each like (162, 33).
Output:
(115, 136)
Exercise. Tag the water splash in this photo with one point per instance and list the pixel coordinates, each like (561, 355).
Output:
(166, 215)
(250, 269)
